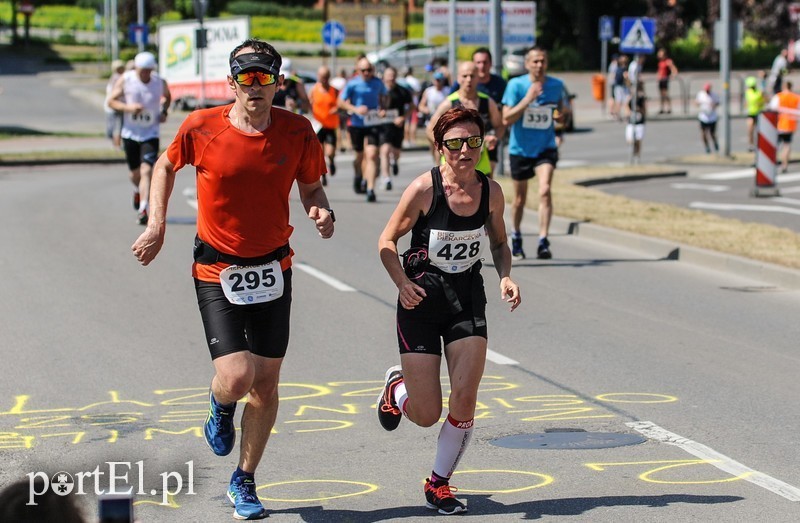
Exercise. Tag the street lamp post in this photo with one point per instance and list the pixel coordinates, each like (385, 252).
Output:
(725, 74)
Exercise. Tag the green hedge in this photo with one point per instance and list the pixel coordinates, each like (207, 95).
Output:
(255, 8)
(64, 17)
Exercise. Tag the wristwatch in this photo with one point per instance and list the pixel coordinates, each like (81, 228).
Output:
(333, 216)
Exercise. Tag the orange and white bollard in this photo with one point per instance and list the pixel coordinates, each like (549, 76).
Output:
(766, 154)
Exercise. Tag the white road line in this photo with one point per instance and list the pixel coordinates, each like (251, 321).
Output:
(572, 163)
(496, 357)
(330, 280)
(788, 177)
(190, 193)
(730, 175)
(782, 199)
(742, 207)
(722, 462)
(701, 187)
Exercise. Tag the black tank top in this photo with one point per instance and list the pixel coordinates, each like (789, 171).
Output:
(483, 110)
(282, 94)
(455, 249)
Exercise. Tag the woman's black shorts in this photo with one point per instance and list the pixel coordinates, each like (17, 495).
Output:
(423, 329)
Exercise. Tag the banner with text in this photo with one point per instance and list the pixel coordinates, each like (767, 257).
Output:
(179, 58)
(473, 23)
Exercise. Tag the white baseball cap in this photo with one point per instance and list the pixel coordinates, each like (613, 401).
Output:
(144, 60)
(286, 67)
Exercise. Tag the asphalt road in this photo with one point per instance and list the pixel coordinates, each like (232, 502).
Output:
(105, 362)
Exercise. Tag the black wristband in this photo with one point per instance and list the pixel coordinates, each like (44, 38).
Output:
(333, 216)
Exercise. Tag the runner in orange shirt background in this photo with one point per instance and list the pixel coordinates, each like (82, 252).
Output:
(787, 104)
(325, 109)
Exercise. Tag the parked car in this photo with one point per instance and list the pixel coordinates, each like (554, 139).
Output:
(407, 53)
(514, 61)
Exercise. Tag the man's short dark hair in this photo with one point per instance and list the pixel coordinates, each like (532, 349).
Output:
(482, 50)
(259, 46)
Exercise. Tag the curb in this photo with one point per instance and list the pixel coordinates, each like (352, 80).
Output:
(628, 178)
(59, 161)
(666, 250)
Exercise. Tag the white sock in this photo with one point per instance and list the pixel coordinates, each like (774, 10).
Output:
(453, 440)
(401, 396)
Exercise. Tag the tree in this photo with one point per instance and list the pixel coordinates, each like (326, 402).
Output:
(573, 24)
(768, 21)
(670, 22)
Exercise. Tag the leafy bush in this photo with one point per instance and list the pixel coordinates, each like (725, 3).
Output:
(255, 8)
(66, 39)
(58, 16)
(563, 58)
(286, 29)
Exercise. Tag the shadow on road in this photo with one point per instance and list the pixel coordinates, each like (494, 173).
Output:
(484, 506)
(35, 58)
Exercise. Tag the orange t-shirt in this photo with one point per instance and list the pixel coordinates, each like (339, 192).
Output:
(323, 101)
(787, 123)
(244, 180)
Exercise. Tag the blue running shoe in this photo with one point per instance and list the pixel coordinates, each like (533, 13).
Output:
(218, 429)
(516, 248)
(242, 493)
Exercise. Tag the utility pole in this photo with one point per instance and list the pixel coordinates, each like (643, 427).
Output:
(725, 74)
(140, 21)
(114, 31)
(451, 48)
(496, 46)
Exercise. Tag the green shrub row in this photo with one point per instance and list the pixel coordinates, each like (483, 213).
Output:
(256, 8)
(55, 16)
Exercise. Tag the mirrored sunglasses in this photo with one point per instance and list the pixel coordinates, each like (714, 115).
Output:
(249, 77)
(455, 144)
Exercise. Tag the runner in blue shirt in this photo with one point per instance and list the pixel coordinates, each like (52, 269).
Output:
(364, 98)
(531, 103)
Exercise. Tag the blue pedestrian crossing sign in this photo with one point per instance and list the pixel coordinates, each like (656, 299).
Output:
(637, 35)
(606, 28)
(333, 33)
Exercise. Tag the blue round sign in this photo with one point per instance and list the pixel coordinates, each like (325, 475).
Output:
(333, 33)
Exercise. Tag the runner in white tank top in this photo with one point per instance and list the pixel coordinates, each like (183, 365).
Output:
(143, 97)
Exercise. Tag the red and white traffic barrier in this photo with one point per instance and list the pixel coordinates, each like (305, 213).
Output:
(767, 154)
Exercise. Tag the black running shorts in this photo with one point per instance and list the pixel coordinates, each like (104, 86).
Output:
(421, 330)
(524, 168)
(392, 135)
(492, 154)
(261, 328)
(137, 153)
(326, 135)
(359, 134)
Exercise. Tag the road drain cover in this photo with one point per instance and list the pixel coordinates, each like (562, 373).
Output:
(568, 440)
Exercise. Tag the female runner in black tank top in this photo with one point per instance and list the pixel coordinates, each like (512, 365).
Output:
(453, 214)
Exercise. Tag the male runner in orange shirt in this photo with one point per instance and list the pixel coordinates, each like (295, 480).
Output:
(325, 108)
(787, 104)
(248, 155)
